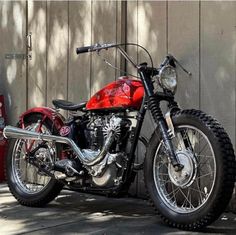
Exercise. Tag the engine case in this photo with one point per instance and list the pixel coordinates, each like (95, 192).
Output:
(108, 172)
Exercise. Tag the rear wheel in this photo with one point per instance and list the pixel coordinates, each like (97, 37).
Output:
(199, 193)
(29, 185)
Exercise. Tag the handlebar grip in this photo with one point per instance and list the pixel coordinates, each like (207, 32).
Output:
(81, 50)
(95, 47)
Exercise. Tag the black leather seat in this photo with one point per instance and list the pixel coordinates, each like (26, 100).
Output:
(67, 105)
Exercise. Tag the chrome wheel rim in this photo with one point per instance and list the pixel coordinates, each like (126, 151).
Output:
(188, 190)
(28, 177)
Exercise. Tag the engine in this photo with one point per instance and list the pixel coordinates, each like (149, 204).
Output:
(99, 127)
(97, 133)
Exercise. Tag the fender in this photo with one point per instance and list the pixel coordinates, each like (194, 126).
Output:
(49, 113)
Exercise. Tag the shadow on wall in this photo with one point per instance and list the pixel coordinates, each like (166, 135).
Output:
(210, 42)
(55, 71)
(12, 71)
(218, 52)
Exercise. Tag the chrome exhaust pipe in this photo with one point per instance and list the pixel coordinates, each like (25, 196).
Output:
(18, 133)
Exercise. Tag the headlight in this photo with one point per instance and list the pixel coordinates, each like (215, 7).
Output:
(168, 78)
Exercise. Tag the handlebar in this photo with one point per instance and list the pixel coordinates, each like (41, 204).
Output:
(170, 59)
(96, 47)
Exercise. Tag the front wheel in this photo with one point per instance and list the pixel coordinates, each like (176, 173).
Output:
(199, 193)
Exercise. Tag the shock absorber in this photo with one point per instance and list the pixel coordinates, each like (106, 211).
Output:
(154, 107)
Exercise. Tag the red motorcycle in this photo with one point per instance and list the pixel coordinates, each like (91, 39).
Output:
(189, 163)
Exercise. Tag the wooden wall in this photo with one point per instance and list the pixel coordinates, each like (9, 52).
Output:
(202, 35)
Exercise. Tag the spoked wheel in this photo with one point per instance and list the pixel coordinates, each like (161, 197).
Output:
(187, 190)
(26, 175)
(195, 196)
(28, 184)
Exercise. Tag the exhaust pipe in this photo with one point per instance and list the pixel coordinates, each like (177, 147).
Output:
(18, 133)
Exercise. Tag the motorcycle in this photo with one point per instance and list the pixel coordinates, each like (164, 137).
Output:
(189, 163)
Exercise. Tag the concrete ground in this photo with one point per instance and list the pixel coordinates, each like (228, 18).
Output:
(75, 213)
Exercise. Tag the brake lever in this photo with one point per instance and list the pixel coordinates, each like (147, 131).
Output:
(180, 65)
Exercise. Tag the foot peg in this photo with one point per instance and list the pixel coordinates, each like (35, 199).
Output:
(66, 166)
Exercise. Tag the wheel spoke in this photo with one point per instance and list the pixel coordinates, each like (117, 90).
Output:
(198, 191)
(186, 198)
(168, 181)
(161, 165)
(186, 136)
(203, 148)
(199, 177)
(174, 192)
(206, 160)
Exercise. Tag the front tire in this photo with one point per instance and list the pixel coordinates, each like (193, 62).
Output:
(27, 184)
(196, 196)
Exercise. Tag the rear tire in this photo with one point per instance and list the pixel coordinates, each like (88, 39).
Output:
(33, 197)
(165, 187)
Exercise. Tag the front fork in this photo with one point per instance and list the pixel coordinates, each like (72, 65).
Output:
(153, 102)
(166, 129)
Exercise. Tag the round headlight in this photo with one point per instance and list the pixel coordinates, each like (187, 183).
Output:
(168, 78)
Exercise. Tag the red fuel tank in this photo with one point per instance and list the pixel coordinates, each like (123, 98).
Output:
(126, 92)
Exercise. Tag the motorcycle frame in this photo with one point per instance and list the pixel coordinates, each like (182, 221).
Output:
(149, 95)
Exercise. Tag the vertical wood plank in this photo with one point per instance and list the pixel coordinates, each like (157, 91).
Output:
(103, 31)
(218, 62)
(152, 34)
(132, 33)
(152, 30)
(119, 36)
(37, 66)
(183, 43)
(13, 71)
(57, 50)
(79, 65)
